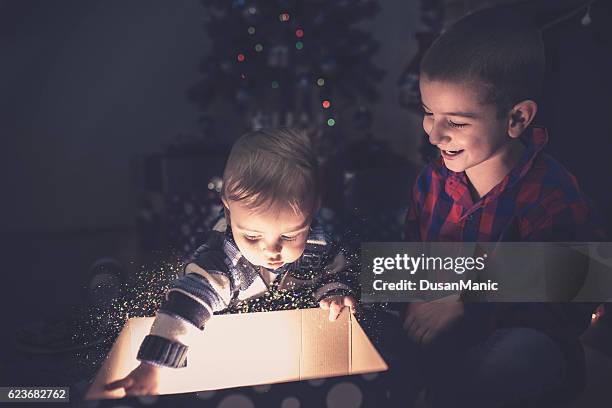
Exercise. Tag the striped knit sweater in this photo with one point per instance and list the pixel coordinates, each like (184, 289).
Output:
(217, 278)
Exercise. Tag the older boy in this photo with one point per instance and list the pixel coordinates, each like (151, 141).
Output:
(480, 83)
(268, 244)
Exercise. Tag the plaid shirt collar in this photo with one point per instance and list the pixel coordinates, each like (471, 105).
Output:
(456, 184)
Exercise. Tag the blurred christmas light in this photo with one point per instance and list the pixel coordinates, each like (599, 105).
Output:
(331, 122)
(598, 313)
(326, 104)
(276, 59)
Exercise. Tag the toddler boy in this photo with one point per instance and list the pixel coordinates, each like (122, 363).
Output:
(268, 243)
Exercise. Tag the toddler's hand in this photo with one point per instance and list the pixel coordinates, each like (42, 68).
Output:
(335, 304)
(143, 380)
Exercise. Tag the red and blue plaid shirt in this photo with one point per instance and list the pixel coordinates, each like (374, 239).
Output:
(539, 200)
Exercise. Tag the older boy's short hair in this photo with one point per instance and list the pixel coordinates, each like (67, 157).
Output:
(495, 47)
(273, 168)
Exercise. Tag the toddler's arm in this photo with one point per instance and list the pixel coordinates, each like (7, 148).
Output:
(190, 301)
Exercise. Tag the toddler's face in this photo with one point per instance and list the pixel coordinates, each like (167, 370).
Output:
(467, 131)
(269, 238)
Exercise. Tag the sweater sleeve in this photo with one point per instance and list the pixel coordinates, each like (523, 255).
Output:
(338, 276)
(205, 288)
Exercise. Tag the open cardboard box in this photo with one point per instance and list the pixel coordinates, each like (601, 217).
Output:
(250, 349)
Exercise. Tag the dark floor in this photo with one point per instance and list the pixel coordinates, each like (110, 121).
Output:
(45, 277)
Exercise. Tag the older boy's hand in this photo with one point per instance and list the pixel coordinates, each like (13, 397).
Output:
(143, 380)
(335, 304)
(427, 320)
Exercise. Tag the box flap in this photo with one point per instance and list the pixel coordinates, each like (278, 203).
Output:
(325, 345)
(364, 356)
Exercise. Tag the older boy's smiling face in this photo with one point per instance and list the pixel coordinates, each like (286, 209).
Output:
(270, 237)
(467, 131)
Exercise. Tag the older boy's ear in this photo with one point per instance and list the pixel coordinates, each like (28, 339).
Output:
(520, 117)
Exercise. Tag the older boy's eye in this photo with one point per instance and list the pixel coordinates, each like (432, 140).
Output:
(252, 237)
(456, 125)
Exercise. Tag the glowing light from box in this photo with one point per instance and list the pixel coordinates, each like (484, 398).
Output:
(331, 122)
(299, 33)
(240, 57)
(299, 45)
(258, 47)
(326, 104)
(320, 82)
(251, 30)
(284, 17)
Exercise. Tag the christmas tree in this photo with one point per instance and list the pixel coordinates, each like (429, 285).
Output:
(289, 63)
